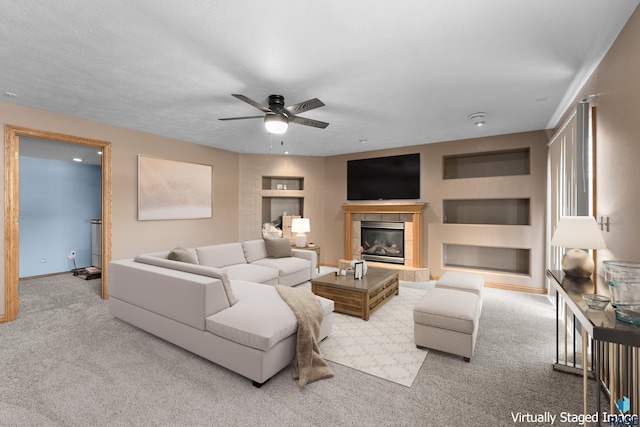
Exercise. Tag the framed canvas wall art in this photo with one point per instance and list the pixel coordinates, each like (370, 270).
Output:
(171, 189)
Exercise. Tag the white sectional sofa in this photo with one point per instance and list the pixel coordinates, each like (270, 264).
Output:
(223, 307)
(251, 261)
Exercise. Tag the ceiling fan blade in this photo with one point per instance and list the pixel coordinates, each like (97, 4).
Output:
(308, 122)
(301, 107)
(242, 118)
(252, 102)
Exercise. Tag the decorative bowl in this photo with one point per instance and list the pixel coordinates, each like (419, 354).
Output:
(595, 301)
(623, 279)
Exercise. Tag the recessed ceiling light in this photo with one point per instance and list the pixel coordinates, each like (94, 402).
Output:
(77, 159)
(478, 119)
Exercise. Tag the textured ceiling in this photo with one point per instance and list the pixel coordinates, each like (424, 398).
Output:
(393, 74)
(54, 150)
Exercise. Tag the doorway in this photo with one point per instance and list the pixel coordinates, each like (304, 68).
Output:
(12, 203)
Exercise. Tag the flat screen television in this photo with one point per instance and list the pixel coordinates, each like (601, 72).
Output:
(384, 178)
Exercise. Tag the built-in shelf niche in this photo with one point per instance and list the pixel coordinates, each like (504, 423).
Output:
(274, 207)
(282, 195)
(487, 164)
(487, 211)
(285, 183)
(506, 260)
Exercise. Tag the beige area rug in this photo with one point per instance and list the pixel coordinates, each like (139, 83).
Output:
(382, 346)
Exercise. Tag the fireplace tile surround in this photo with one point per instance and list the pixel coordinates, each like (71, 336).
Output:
(410, 214)
(356, 224)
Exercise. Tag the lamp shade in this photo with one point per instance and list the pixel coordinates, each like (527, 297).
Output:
(300, 225)
(578, 232)
(276, 123)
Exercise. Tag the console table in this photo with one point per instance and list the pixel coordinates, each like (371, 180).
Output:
(615, 355)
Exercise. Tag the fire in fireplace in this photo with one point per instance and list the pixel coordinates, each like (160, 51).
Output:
(382, 241)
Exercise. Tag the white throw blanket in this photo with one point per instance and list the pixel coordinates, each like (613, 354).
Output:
(308, 365)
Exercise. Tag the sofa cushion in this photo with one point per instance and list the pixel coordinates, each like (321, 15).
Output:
(260, 319)
(254, 250)
(284, 266)
(278, 248)
(221, 255)
(202, 270)
(295, 279)
(183, 255)
(253, 273)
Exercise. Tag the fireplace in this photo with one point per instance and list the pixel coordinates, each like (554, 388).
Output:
(410, 214)
(382, 241)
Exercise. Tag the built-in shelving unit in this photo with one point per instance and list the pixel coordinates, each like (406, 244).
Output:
(490, 221)
(494, 163)
(282, 183)
(515, 211)
(506, 260)
(282, 195)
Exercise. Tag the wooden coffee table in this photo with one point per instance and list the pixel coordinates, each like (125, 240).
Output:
(357, 297)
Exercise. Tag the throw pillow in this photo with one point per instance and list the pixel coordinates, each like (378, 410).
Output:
(278, 248)
(182, 255)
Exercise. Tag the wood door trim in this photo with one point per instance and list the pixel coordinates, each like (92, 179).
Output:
(12, 215)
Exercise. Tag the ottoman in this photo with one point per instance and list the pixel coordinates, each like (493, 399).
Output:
(469, 282)
(447, 320)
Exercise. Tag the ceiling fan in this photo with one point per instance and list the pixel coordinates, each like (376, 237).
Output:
(277, 117)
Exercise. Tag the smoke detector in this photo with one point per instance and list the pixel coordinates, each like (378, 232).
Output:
(478, 119)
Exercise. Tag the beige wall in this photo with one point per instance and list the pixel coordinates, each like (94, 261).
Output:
(130, 236)
(532, 186)
(434, 189)
(255, 166)
(335, 194)
(617, 87)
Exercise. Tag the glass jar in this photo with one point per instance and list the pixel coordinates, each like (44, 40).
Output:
(623, 279)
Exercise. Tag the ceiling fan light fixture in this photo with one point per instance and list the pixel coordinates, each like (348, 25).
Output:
(478, 119)
(276, 123)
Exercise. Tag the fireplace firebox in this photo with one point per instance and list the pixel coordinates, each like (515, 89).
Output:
(382, 241)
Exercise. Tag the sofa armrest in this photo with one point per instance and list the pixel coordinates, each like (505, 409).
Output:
(185, 297)
(310, 256)
(216, 273)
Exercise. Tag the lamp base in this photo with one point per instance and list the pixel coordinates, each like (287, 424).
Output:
(301, 240)
(578, 264)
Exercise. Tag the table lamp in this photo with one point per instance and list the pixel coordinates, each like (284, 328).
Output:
(578, 232)
(300, 226)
